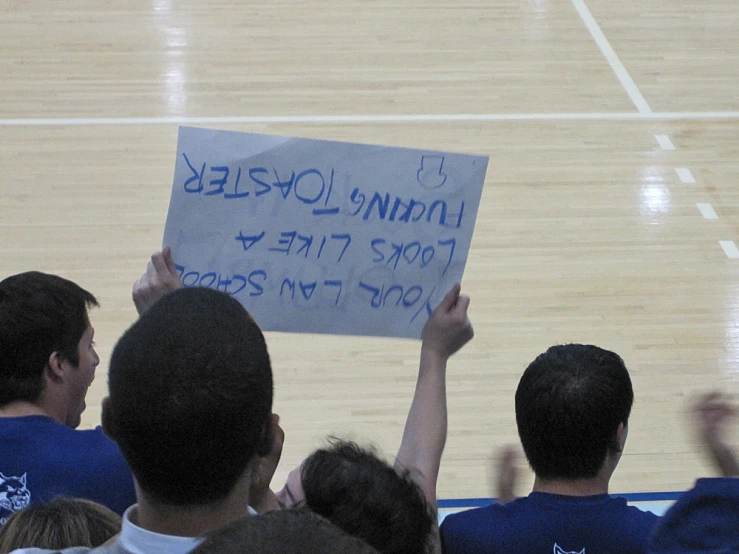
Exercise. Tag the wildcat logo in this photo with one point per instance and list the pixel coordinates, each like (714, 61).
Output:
(14, 496)
(558, 550)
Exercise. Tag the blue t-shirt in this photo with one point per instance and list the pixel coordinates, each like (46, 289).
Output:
(543, 523)
(41, 459)
(704, 519)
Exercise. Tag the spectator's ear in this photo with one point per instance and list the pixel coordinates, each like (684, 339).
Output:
(621, 434)
(268, 435)
(55, 369)
(107, 419)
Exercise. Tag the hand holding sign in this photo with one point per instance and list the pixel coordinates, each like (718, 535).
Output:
(159, 278)
(323, 237)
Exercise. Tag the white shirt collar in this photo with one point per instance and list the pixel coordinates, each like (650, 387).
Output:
(136, 540)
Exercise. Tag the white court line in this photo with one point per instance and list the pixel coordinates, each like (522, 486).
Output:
(686, 176)
(729, 248)
(400, 118)
(664, 142)
(707, 210)
(610, 55)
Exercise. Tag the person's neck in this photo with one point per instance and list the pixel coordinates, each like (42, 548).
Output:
(189, 521)
(22, 408)
(572, 487)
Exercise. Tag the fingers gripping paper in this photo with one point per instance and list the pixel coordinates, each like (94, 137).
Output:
(322, 237)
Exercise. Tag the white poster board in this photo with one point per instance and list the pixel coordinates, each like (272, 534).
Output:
(322, 237)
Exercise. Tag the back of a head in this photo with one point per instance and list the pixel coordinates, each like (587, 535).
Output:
(61, 523)
(190, 396)
(364, 496)
(39, 314)
(569, 404)
(282, 532)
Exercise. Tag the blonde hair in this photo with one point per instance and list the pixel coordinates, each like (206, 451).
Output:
(58, 524)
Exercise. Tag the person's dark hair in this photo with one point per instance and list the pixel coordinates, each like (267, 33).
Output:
(39, 314)
(363, 495)
(190, 396)
(569, 404)
(282, 532)
(61, 523)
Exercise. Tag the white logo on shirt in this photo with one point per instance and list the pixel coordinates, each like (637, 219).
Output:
(558, 550)
(14, 496)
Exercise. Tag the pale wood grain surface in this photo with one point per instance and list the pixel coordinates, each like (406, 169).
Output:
(585, 232)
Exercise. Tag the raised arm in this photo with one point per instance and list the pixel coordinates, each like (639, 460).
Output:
(505, 474)
(446, 331)
(712, 412)
(159, 278)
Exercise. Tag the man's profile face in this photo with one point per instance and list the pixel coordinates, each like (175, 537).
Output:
(81, 377)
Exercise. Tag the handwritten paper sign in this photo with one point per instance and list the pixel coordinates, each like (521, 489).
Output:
(322, 237)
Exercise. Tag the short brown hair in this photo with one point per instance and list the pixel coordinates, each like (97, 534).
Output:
(61, 523)
(283, 532)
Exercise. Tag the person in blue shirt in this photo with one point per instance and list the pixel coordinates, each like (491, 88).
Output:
(189, 403)
(572, 409)
(47, 362)
(706, 518)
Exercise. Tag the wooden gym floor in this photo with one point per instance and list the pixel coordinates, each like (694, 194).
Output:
(613, 136)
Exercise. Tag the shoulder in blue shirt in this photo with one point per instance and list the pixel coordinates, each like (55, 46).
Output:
(41, 459)
(549, 523)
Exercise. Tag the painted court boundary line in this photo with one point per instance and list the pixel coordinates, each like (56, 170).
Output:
(664, 142)
(730, 249)
(686, 176)
(630, 497)
(611, 57)
(400, 118)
